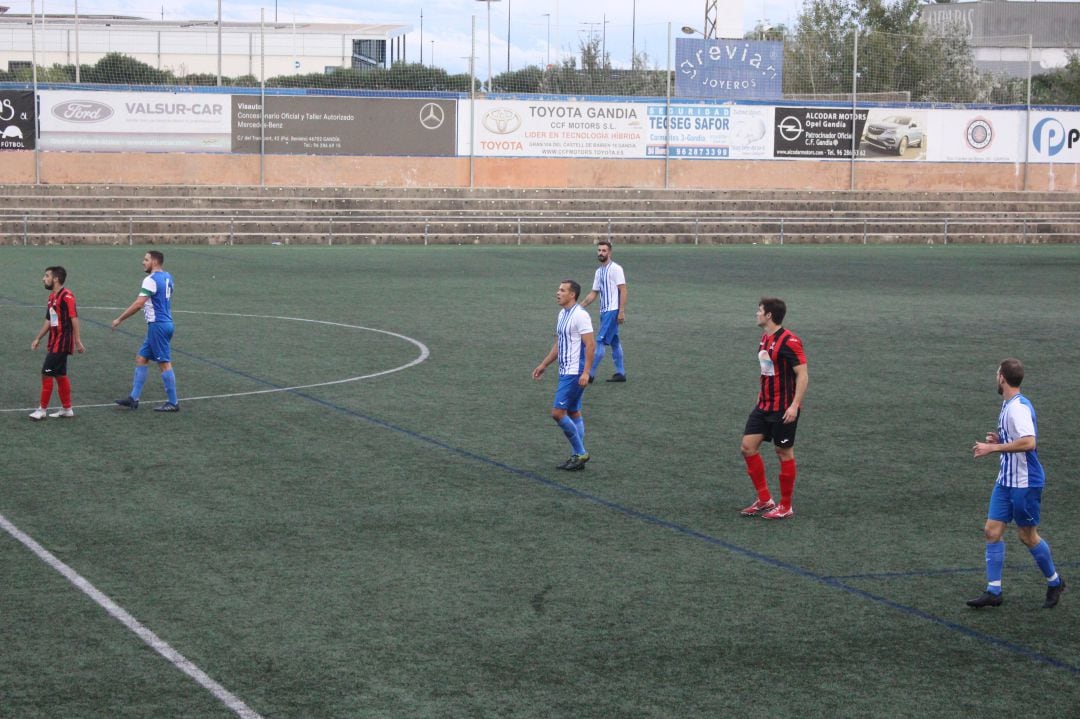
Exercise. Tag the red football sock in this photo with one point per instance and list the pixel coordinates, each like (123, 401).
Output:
(46, 391)
(755, 467)
(787, 481)
(63, 388)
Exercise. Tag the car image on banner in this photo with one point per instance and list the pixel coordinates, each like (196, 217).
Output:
(894, 133)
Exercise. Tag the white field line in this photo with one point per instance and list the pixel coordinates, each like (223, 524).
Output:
(121, 615)
(424, 354)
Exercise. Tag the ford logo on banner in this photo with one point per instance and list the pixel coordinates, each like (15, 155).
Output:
(82, 111)
(729, 69)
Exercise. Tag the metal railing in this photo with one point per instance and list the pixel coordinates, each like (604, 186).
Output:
(701, 228)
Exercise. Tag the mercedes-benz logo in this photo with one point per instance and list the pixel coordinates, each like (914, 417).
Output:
(432, 116)
(790, 128)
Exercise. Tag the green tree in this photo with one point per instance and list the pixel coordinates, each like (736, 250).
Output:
(118, 69)
(897, 54)
(1060, 86)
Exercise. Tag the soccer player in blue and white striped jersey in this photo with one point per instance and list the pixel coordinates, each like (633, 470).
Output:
(609, 284)
(155, 301)
(573, 348)
(1018, 492)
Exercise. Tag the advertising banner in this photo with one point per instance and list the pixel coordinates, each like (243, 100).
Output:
(1055, 136)
(816, 132)
(134, 121)
(17, 120)
(976, 135)
(740, 132)
(556, 128)
(307, 125)
(893, 134)
(628, 130)
(729, 69)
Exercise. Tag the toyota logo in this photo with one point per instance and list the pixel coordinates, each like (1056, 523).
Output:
(432, 116)
(501, 121)
(790, 128)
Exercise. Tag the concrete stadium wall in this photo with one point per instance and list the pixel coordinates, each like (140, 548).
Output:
(320, 171)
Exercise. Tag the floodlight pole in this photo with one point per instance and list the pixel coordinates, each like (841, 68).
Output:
(488, 2)
(76, 41)
(262, 94)
(548, 16)
(33, 75)
(219, 43)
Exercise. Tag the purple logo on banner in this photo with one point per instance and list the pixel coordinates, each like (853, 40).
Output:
(729, 69)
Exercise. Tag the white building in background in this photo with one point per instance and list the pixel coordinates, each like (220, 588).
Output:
(999, 32)
(191, 47)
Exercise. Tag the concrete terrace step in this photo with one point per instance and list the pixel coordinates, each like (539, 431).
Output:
(130, 214)
(511, 205)
(286, 239)
(150, 226)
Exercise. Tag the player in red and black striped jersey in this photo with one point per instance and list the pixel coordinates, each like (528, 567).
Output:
(62, 326)
(775, 418)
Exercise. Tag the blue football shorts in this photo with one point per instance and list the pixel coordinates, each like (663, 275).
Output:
(156, 345)
(609, 327)
(569, 393)
(1019, 504)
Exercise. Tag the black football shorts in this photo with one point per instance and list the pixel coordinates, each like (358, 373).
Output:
(771, 426)
(55, 364)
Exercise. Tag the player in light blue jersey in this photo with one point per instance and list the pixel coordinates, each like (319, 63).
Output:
(1018, 492)
(155, 300)
(573, 348)
(609, 284)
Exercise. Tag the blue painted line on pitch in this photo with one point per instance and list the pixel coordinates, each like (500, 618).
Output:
(833, 582)
(632, 513)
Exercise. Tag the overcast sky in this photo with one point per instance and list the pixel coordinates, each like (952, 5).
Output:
(447, 22)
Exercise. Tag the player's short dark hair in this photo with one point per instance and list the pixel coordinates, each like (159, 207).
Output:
(604, 242)
(58, 272)
(774, 306)
(574, 287)
(1012, 371)
(157, 256)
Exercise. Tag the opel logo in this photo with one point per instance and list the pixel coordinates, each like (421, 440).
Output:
(432, 116)
(790, 128)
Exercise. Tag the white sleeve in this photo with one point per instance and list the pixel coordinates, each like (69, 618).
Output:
(148, 286)
(1018, 421)
(583, 323)
(618, 275)
(596, 281)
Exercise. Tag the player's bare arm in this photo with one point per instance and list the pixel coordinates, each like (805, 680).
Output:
(132, 309)
(622, 304)
(1021, 444)
(589, 299)
(590, 351)
(76, 335)
(44, 331)
(546, 361)
(802, 381)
